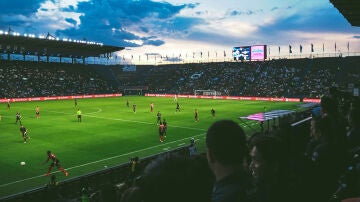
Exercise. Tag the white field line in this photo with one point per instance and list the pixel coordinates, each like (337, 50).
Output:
(98, 111)
(101, 160)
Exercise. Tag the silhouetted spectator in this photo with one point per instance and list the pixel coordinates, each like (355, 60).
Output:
(173, 178)
(52, 189)
(192, 148)
(353, 134)
(271, 173)
(329, 158)
(226, 152)
(134, 170)
(314, 138)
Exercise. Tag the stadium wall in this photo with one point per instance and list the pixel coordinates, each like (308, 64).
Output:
(274, 99)
(236, 98)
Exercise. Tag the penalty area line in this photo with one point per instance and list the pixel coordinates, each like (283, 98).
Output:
(98, 161)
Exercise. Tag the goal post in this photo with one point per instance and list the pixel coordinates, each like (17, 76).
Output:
(133, 91)
(207, 92)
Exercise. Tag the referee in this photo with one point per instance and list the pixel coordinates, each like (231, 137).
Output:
(78, 115)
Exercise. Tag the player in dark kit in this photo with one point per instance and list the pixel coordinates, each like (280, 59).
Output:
(55, 162)
(75, 102)
(24, 133)
(165, 126)
(158, 115)
(127, 103)
(134, 108)
(18, 118)
(177, 107)
(213, 112)
(196, 115)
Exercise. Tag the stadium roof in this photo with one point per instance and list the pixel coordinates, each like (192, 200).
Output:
(350, 9)
(51, 47)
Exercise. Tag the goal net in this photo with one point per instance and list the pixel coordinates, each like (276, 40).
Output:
(133, 91)
(207, 92)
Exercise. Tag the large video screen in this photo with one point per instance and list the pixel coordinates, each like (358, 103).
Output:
(258, 52)
(241, 53)
(249, 53)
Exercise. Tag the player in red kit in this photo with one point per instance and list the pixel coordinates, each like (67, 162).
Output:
(8, 104)
(161, 131)
(152, 107)
(37, 112)
(55, 162)
(196, 115)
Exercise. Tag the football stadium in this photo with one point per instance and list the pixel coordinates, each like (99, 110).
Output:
(79, 123)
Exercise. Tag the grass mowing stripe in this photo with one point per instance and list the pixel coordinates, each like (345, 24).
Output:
(148, 123)
(124, 120)
(101, 160)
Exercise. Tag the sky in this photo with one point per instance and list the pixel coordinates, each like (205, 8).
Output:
(181, 28)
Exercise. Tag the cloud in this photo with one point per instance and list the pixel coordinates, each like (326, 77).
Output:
(257, 11)
(172, 23)
(109, 21)
(118, 22)
(321, 20)
(17, 13)
(149, 41)
(274, 8)
(247, 12)
(19, 7)
(70, 20)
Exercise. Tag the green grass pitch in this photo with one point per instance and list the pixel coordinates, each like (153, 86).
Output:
(109, 134)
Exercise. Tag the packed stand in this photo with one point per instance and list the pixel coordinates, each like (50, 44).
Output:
(32, 79)
(275, 78)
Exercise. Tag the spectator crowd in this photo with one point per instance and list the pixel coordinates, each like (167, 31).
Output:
(33, 79)
(276, 78)
(298, 78)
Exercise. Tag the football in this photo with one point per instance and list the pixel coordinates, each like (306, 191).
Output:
(22, 163)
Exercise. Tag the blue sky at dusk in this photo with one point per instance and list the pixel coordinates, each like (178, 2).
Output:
(175, 26)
